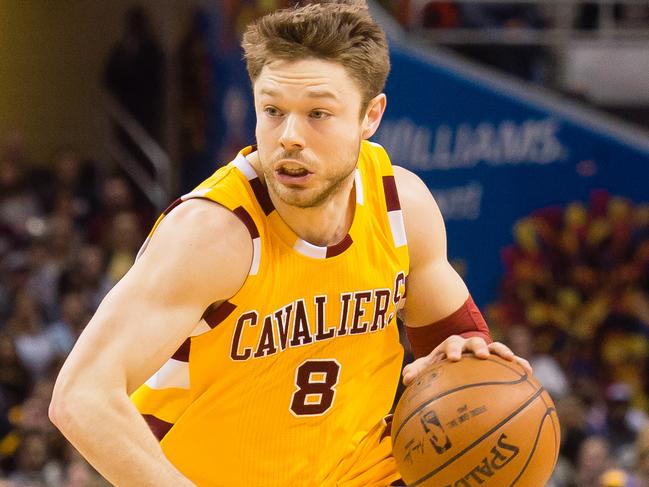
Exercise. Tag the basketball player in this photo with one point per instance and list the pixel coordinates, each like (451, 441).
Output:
(254, 342)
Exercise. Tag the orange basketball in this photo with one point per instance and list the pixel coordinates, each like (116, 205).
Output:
(473, 423)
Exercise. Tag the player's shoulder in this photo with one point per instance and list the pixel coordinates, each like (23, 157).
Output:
(199, 244)
(413, 192)
(203, 229)
(422, 218)
(202, 217)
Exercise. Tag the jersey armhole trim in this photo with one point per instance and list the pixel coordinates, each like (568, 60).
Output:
(395, 214)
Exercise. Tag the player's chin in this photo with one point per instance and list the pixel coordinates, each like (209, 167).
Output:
(303, 197)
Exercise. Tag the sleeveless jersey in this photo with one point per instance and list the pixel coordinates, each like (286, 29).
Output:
(281, 382)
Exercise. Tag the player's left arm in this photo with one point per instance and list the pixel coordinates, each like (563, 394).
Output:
(441, 319)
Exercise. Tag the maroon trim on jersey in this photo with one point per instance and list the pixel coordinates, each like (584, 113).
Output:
(172, 206)
(158, 427)
(467, 321)
(182, 354)
(391, 195)
(340, 247)
(261, 193)
(388, 427)
(247, 220)
(215, 314)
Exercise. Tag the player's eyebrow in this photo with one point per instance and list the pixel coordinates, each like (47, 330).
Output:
(322, 94)
(310, 94)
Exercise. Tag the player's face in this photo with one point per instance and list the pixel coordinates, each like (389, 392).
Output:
(309, 129)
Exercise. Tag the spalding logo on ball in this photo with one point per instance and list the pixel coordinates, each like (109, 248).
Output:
(476, 422)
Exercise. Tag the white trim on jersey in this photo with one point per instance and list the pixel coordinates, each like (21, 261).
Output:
(173, 373)
(397, 227)
(310, 250)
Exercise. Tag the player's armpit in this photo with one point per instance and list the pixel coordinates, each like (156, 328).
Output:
(467, 322)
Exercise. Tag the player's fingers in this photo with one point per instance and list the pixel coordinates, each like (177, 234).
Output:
(525, 364)
(501, 350)
(477, 346)
(413, 369)
(452, 347)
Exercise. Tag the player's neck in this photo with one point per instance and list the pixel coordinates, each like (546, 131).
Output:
(326, 224)
(322, 225)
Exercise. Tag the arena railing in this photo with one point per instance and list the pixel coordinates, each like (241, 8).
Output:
(562, 16)
(123, 137)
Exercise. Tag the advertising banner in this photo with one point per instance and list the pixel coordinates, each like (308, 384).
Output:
(492, 154)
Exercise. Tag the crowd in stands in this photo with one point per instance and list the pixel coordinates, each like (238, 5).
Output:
(575, 300)
(67, 233)
(514, 53)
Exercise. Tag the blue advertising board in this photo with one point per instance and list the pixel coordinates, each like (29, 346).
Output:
(492, 153)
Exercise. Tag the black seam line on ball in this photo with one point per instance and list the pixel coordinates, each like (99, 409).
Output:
(520, 380)
(548, 413)
(488, 433)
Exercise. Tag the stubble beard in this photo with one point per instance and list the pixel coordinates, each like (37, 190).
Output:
(312, 197)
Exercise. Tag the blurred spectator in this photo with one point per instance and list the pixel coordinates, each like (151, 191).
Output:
(14, 274)
(86, 275)
(616, 477)
(527, 61)
(440, 15)
(641, 458)
(75, 315)
(623, 15)
(572, 417)
(116, 196)
(67, 186)
(619, 423)
(50, 256)
(135, 72)
(592, 461)
(126, 241)
(197, 98)
(34, 466)
(15, 379)
(32, 342)
(546, 369)
(19, 204)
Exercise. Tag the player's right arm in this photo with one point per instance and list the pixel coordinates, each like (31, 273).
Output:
(200, 253)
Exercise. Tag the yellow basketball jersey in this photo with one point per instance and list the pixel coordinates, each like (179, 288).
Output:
(281, 382)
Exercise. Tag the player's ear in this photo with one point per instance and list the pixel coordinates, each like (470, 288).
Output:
(373, 115)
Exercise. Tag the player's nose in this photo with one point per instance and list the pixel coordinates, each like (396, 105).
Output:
(291, 137)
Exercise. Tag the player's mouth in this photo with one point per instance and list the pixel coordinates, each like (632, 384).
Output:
(292, 173)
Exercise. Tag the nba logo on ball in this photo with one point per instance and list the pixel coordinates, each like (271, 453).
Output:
(473, 423)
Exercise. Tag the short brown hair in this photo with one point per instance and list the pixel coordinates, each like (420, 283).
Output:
(340, 31)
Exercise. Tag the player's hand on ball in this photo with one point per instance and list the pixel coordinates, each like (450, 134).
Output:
(452, 349)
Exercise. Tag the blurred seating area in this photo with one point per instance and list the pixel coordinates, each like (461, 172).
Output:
(575, 300)
(589, 50)
(68, 232)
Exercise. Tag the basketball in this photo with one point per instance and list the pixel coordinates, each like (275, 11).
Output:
(475, 422)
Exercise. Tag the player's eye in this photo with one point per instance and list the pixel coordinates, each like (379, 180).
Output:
(319, 115)
(272, 111)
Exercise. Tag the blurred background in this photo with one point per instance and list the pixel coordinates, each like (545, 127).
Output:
(528, 120)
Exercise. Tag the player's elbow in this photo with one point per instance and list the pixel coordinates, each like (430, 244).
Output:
(56, 412)
(61, 407)
(68, 403)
